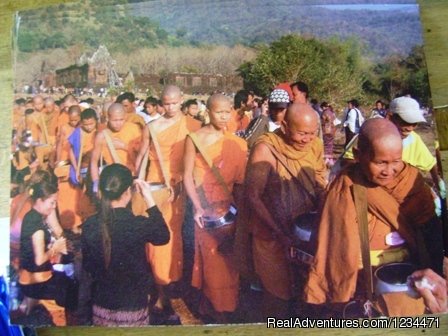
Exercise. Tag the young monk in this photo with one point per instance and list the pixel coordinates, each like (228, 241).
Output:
(213, 272)
(68, 193)
(81, 145)
(125, 141)
(171, 130)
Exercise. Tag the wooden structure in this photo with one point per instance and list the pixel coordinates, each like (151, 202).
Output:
(434, 13)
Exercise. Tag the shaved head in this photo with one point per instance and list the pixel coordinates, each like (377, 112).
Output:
(376, 131)
(115, 108)
(300, 125)
(171, 90)
(299, 113)
(217, 97)
(379, 151)
(172, 101)
(38, 103)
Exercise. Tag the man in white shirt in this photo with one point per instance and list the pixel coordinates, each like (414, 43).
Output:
(353, 120)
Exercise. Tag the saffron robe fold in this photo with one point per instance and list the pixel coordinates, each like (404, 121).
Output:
(285, 198)
(404, 205)
(167, 260)
(213, 272)
(130, 135)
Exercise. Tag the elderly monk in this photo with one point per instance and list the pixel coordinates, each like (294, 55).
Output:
(399, 204)
(118, 143)
(170, 130)
(276, 198)
(213, 272)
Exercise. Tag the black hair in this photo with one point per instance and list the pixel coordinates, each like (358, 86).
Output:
(90, 101)
(88, 114)
(241, 97)
(129, 96)
(151, 100)
(301, 86)
(29, 111)
(42, 185)
(190, 102)
(115, 179)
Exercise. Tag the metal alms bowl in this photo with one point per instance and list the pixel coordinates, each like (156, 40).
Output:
(391, 278)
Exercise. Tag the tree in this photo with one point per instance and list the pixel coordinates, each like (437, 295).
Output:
(331, 69)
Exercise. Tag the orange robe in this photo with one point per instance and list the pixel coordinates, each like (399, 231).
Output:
(404, 205)
(32, 124)
(285, 199)
(67, 193)
(130, 134)
(136, 119)
(212, 271)
(167, 260)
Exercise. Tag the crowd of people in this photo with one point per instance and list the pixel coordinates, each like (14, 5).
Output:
(100, 194)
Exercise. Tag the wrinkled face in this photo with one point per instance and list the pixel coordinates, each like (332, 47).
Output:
(300, 135)
(88, 125)
(403, 127)
(220, 113)
(382, 165)
(172, 104)
(116, 121)
(47, 205)
(38, 104)
(73, 119)
(128, 106)
(193, 110)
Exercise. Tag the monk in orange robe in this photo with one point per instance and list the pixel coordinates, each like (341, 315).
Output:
(81, 143)
(213, 272)
(171, 130)
(399, 204)
(51, 115)
(125, 140)
(68, 101)
(277, 194)
(68, 194)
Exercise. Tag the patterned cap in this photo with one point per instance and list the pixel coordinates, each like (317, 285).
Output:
(279, 96)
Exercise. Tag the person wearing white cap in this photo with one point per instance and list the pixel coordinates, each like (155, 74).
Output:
(405, 113)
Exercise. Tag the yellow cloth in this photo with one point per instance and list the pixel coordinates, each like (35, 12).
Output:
(415, 152)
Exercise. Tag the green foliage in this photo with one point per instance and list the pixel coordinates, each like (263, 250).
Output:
(397, 76)
(330, 68)
(92, 23)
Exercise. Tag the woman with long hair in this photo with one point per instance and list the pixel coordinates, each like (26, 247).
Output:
(113, 248)
(41, 245)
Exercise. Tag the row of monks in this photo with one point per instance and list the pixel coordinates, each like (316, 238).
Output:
(283, 178)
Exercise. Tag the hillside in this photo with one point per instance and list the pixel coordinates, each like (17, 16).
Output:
(386, 30)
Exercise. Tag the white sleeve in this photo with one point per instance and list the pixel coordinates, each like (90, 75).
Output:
(351, 120)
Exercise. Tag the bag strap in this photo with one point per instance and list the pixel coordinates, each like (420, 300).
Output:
(207, 159)
(78, 167)
(153, 137)
(111, 147)
(360, 199)
(282, 160)
(44, 127)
